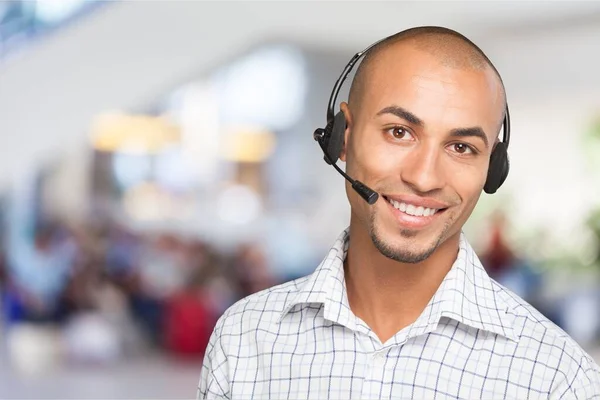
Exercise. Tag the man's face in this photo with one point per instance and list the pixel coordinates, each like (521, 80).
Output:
(421, 137)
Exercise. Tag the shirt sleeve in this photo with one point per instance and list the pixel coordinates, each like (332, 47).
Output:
(586, 384)
(214, 380)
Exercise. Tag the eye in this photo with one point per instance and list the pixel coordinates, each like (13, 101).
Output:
(399, 133)
(462, 148)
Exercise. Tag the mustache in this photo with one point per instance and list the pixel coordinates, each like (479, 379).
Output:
(403, 190)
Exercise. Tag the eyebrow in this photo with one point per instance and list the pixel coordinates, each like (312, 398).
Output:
(413, 119)
(401, 113)
(470, 132)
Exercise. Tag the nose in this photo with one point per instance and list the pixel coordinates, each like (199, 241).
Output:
(422, 170)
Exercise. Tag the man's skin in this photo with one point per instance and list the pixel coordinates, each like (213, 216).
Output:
(415, 162)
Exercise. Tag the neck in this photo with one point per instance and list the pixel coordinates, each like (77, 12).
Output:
(389, 295)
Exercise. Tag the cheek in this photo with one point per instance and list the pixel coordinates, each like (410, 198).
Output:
(370, 158)
(468, 183)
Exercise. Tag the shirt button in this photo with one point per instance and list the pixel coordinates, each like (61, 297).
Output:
(379, 359)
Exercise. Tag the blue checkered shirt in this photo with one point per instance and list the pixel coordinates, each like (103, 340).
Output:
(474, 340)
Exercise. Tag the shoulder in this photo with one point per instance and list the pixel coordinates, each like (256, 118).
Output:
(545, 344)
(532, 327)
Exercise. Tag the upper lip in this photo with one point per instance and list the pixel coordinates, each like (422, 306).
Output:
(417, 201)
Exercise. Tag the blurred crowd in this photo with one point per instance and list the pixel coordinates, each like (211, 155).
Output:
(102, 292)
(111, 291)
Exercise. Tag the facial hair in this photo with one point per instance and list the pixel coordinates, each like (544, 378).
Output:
(403, 255)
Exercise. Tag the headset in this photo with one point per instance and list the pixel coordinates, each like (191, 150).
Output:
(331, 138)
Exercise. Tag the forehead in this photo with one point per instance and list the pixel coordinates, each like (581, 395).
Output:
(438, 94)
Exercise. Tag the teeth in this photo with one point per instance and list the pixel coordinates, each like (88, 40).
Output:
(412, 210)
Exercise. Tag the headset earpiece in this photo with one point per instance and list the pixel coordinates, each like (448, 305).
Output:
(498, 168)
(334, 137)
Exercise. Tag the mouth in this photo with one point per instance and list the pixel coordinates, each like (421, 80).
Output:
(413, 215)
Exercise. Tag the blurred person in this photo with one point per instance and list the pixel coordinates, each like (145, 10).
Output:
(498, 257)
(162, 271)
(39, 275)
(192, 311)
(401, 307)
(78, 291)
(122, 252)
(251, 269)
(163, 267)
(215, 277)
(504, 265)
(189, 320)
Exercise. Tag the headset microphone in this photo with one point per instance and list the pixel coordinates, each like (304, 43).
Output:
(363, 190)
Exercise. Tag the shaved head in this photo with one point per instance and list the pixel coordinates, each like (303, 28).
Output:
(422, 120)
(452, 49)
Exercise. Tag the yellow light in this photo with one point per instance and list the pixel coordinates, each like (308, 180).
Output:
(247, 144)
(133, 133)
(145, 202)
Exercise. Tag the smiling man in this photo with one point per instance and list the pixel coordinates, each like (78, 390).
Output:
(401, 306)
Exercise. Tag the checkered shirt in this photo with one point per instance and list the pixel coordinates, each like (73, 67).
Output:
(474, 340)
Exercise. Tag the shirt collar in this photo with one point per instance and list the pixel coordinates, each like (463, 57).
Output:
(467, 294)
(327, 286)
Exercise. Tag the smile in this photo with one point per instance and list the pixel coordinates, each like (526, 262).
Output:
(417, 211)
(413, 215)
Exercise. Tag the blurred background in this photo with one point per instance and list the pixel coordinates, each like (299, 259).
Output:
(157, 164)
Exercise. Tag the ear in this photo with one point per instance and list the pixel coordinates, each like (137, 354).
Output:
(349, 123)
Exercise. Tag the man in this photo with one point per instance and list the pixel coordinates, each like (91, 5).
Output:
(401, 307)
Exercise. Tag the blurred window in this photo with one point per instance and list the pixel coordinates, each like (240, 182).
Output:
(22, 21)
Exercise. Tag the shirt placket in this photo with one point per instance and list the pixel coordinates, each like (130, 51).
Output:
(374, 374)
(374, 357)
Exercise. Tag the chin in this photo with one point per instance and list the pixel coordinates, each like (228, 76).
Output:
(405, 244)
